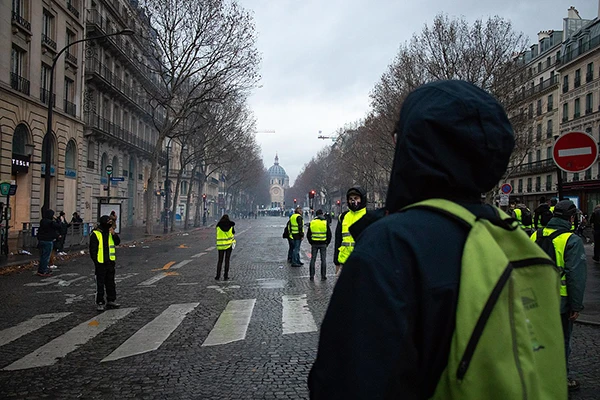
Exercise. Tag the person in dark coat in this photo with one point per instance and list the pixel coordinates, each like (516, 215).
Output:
(102, 251)
(64, 228)
(48, 232)
(225, 239)
(388, 328)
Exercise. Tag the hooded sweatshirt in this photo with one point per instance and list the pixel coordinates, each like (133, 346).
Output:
(338, 229)
(104, 228)
(226, 225)
(49, 228)
(387, 331)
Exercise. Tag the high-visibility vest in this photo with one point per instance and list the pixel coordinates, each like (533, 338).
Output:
(111, 247)
(318, 229)
(347, 240)
(294, 228)
(520, 219)
(560, 244)
(224, 239)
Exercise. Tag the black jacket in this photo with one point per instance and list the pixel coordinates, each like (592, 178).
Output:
(49, 229)
(226, 225)
(338, 228)
(94, 245)
(300, 234)
(309, 233)
(387, 331)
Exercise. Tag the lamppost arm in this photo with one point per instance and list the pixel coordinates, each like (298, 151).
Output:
(46, 140)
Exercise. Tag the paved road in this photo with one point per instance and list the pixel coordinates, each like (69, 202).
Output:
(179, 333)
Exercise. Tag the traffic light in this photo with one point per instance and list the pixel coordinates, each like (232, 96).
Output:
(338, 202)
(295, 201)
(311, 194)
(204, 197)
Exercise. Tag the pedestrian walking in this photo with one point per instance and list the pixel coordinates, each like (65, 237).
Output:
(595, 221)
(344, 241)
(296, 230)
(567, 250)
(225, 243)
(430, 304)
(48, 232)
(103, 253)
(319, 237)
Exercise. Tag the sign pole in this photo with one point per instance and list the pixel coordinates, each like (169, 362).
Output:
(109, 171)
(559, 183)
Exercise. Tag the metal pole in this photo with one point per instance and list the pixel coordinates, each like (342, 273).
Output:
(108, 188)
(559, 183)
(167, 188)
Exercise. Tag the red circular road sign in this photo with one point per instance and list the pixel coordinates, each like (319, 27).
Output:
(575, 151)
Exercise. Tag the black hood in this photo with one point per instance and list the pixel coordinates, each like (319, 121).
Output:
(363, 197)
(225, 225)
(454, 141)
(48, 214)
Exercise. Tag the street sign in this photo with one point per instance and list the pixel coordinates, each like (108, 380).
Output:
(117, 179)
(4, 188)
(108, 170)
(506, 188)
(503, 200)
(575, 151)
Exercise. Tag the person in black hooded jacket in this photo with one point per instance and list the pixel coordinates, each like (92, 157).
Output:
(388, 328)
(356, 198)
(48, 232)
(225, 239)
(102, 251)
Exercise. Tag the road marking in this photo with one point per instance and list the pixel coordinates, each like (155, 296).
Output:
(58, 348)
(199, 254)
(181, 264)
(25, 327)
(56, 279)
(579, 151)
(297, 318)
(166, 266)
(182, 246)
(188, 283)
(154, 333)
(210, 248)
(122, 277)
(232, 323)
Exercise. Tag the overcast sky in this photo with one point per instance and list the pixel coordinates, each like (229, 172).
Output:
(321, 59)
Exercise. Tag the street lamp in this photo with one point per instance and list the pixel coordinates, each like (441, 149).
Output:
(167, 189)
(48, 135)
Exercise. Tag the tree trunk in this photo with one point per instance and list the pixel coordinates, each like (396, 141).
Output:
(189, 199)
(176, 198)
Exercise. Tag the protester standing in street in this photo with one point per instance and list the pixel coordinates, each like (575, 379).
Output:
(319, 237)
(567, 250)
(225, 240)
(394, 327)
(542, 214)
(64, 228)
(48, 232)
(103, 253)
(344, 242)
(76, 219)
(296, 230)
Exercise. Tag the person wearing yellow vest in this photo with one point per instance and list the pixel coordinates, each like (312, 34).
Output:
(356, 199)
(102, 251)
(567, 250)
(296, 232)
(225, 241)
(319, 237)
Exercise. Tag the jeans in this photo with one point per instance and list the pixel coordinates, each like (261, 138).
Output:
(290, 249)
(296, 252)
(567, 326)
(45, 251)
(316, 249)
(223, 254)
(105, 279)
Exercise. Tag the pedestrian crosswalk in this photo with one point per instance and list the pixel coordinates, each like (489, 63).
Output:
(231, 326)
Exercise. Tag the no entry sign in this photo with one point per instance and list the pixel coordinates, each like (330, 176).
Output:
(575, 151)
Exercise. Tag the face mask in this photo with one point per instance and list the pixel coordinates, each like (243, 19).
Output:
(354, 205)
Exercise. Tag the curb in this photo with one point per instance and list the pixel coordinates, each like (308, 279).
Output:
(587, 322)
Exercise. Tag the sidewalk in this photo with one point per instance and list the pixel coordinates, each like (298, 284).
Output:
(591, 298)
(127, 235)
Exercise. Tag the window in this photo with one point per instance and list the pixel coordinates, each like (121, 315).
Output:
(69, 97)
(530, 157)
(520, 188)
(565, 116)
(548, 153)
(530, 111)
(71, 51)
(589, 103)
(19, 13)
(576, 177)
(530, 136)
(184, 188)
(538, 155)
(550, 103)
(588, 174)
(577, 81)
(549, 129)
(529, 185)
(70, 156)
(538, 183)
(90, 155)
(576, 109)
(565, 84)
(20, 139)
(538, 134)
(539, 107)
(548, 182)
(589, 75)
(45, 85)
(17, 69)
(48, 29)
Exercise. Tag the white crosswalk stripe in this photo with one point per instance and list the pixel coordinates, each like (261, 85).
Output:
(58, 348)
(33, 324)
(232, 323)
(296, 317)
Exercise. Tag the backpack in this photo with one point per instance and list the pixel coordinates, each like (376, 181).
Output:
(545, 215)
(526, 218)
(507, 341)
(545, 242)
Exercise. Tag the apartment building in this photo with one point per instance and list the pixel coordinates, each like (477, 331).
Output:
(32, 34)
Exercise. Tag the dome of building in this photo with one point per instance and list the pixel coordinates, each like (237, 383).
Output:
(276, 169)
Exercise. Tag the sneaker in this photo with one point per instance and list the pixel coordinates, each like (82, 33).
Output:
(323, 278)
(100, 307)
(572, 384)
(112, 304)
(44, 274)
(53, 267)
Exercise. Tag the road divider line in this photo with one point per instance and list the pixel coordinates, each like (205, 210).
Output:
(199, 255)
(58, 348)
(25, 327)
(153, 280)
(181, 264)
(154, 333)
(210, 248)
(232, 323)
(296, 317)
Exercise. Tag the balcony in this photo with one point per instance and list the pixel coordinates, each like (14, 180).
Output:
(535, 167)
(547, 84)
(589, 77)
(22, 22)
(45, 97)
(588, 111)
(46, 41)
(576, 115)
(584, 48)
(577, 82)
(73, 8)
(19, 83)
(105, 128)
(70, 108)
(565, 88)
(71, 59)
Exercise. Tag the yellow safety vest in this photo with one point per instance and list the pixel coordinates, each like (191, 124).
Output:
(111, 247)
(560, 244)
(224, 239)
(347, 240)
(520, 219)
(294, 229)
(318, 230)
